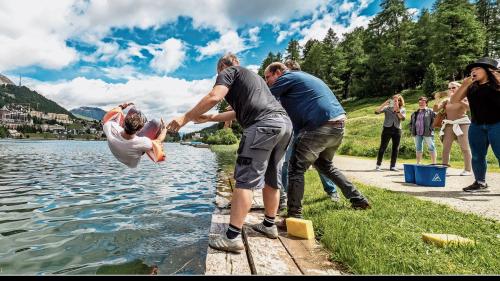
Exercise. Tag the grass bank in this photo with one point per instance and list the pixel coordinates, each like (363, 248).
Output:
(387, 238)
(364, 127)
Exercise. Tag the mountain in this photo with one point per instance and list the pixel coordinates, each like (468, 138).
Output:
(22, 95)
(94, 113)
(5, 80)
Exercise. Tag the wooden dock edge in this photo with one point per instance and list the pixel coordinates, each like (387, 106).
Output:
(263, 256)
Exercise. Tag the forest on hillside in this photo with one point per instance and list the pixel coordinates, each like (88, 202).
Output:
(398, 51)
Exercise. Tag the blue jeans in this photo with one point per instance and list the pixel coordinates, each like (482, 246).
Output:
(328, 185)
(480, 138)
(419, 143)
(317, 148)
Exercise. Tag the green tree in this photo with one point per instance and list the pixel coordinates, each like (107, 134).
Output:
(431, 82)
(488, 13)
(333, 62)
(458, 37)
(355, 59)
(271, 57)
(387, 43)
(419, 56)
(293, 50)
(312, 62)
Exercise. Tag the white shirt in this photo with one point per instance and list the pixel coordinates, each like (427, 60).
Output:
(129, 152)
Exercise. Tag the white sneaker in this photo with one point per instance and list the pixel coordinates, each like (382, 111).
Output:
(378, 168)
(222, 243)
(394, 169)
(465, 173)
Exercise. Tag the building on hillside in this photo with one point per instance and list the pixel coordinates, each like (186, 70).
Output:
(37, 114)
(15, 116)
(52, 128)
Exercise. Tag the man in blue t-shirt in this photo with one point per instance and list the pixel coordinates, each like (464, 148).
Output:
(318, 121)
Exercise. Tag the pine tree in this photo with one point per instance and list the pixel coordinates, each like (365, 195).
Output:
(419, 56)
(387, 43)
(312, 61)
(431, 80)
(267, 61)
(355, 59)
(458, 39)
(293, 50)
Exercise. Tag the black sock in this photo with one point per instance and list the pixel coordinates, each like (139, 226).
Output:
(232, 231)
(268, 221)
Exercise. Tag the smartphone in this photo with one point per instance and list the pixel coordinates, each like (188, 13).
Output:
(391, 103)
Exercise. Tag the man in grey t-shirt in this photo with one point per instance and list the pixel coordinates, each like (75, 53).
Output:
(267, 133)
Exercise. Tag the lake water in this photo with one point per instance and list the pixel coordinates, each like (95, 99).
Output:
(68, 207)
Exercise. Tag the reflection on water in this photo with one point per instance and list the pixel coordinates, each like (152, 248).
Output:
(69, 207)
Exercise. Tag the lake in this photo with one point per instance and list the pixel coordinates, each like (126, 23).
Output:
(68, 207)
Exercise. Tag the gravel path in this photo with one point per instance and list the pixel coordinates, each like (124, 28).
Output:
(483, 204)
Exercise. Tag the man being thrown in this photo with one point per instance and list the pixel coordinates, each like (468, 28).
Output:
(130, 136)
(267, 132)
(318, 119)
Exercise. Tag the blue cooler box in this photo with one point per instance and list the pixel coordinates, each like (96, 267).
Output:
(409, 173)
(430, 175)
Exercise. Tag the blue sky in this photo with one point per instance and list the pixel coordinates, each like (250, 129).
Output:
(161, 54)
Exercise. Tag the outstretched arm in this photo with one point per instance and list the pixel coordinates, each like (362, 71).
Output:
(220, 117)
(206, 103)
(163, 134)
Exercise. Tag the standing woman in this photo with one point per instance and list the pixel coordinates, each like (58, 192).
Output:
(455, 127)
(482, 89)
(422, 130)
(394, 113)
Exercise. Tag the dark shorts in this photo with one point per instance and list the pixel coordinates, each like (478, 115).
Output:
(261, 151)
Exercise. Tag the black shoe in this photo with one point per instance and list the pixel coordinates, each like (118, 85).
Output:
(476, 187)
(361, 205)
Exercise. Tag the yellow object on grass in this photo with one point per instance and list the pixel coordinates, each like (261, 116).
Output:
(300, 228)
(446, 239)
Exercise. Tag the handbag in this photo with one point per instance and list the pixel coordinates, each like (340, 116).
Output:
(440, 116)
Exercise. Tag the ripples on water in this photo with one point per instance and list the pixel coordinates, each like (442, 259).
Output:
(68, 207)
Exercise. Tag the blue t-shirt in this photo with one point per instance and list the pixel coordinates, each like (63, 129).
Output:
(307, 100)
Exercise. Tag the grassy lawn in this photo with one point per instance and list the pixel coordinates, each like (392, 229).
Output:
(387, 238)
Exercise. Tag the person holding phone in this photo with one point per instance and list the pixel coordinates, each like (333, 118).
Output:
(394, 113)
(482, 89)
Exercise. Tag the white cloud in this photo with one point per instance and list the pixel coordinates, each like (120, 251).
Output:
(253, 67)
(156, 96)
(346, 7)
(168, 56)
(253, 34)
(228, 42)
(36, 32)
(126, 72)
(105, 52)
(33, 33)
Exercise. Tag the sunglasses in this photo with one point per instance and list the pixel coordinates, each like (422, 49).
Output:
(452, 88)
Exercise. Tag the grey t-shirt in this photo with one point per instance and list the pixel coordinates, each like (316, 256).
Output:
(248, 95)
(391, 117)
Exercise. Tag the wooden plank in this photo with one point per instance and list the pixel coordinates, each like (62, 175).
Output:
(309, 256)
(267, 256)
(220, 262)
